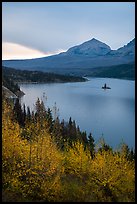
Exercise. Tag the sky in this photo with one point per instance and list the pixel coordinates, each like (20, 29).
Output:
(39, 29)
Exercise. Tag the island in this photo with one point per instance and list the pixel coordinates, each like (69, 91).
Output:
(105, 87)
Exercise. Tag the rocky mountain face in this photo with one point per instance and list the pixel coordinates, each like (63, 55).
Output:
(78, 59)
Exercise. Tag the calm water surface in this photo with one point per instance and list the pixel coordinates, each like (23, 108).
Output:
(110, 113)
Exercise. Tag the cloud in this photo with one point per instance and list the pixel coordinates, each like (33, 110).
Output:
(16, 51)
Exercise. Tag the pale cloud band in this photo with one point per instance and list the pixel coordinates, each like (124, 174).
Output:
(16, 51)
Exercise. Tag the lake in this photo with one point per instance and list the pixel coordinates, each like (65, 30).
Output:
(109, 113)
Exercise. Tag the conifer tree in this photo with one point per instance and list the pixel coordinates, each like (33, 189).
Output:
(91, 144)
(49, 120)
(18, 113)
(24, 114)
(57, 132)
(84, 138)
(126, 152)
(28, 114)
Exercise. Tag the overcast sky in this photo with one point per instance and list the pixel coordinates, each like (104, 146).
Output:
(37, 29)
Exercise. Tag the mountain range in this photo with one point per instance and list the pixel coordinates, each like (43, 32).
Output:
(80, 59)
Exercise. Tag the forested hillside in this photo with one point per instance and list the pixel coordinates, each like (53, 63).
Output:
(123, 71)
(45, 159)
(37, 76)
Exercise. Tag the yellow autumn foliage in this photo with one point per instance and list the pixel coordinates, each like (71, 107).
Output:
(114, 176)
(28, 165)
(108, 177)
(77, 159)
(34, 169)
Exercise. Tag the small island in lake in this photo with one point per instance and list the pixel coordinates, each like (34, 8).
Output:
(105, 87)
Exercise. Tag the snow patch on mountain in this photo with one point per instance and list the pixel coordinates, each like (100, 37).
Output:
(91, 48)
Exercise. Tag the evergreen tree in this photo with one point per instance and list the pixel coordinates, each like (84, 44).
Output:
(70, 122)
(104, 146)
(127, 153)
(56, 128)
(28, 114)
(131, 155)
(57, 133)
(74, 130)
(84, 139)
(18, 113)
(40, 110)
(49, 120)
(63, 129)
(91, 144)
(24, 114)
(71, 131)
(78, 132)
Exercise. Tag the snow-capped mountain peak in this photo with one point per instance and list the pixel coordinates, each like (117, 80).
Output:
(91, 48)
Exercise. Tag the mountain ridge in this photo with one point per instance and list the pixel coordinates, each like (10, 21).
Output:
(90, 54)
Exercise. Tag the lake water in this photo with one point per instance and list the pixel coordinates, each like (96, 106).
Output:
(110, 112)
